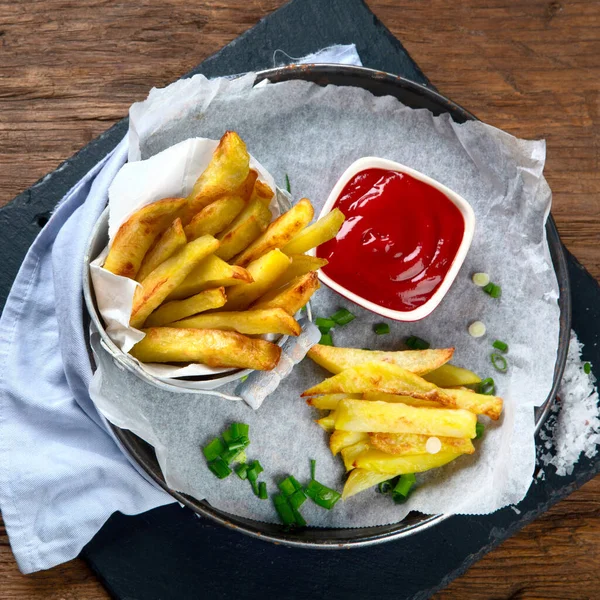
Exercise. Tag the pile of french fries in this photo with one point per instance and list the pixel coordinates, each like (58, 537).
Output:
(214, 270)
(394, 413)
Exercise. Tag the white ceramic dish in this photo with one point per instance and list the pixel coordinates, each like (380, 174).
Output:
(372, 162)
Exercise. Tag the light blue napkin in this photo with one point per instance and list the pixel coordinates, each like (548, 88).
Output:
(62, 473)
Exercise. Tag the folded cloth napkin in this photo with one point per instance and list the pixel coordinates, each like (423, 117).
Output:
(62, 472)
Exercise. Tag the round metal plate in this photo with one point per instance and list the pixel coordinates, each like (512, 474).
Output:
(415, 96)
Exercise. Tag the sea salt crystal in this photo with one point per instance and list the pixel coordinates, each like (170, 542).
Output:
(573, 428)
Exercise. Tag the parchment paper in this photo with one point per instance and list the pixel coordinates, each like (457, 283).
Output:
(312, 134)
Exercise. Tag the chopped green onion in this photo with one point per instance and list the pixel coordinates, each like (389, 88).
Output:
(284, 510)
(286, 486)
(385, 487)
(495, 291)
(502, 346)
(416, 343)
(479, 429)
(381, 328)
(587, 368)
(342, 316)
(254, 470)
(239, 430)
(213, 449)
(243, 378)
(242, 471)
(481, 279)
(499, 362)
(298, 518)
(239, 444)
(303, 309)
(321, 494)
(288, 187)
(219, 467)
(297, 499)
(487, 387)
(405, 483)
(326, 340)
(488, 288)
(313, 468)
(262, 490)
(399, 498)
(324, 325)
(477, 329)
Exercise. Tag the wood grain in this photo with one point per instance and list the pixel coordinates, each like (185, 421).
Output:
(69, 70)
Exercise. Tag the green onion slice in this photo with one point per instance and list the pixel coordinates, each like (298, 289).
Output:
(297, 499)
(288, 187)
(313, 468)
(502, 346)
(219, 467)
(284, 510)
(321, 494)
(298, 518)
(326, 340)
(342, 316)
(213, 449)
(239, 430)
(254, 470)
(242, 471)
(262, 490)
(405, 484)
(587, 368)
(324, 325)
(385, 487)
(479, 430)
(499, 362)
(381, 328)
(416, 343)
(496, 292)
(487, 387)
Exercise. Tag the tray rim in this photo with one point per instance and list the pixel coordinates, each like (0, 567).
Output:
(135, 446)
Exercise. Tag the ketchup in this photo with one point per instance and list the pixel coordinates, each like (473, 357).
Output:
(398, 241)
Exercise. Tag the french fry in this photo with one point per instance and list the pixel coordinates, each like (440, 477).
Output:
(328, 401)
(327, 422)
(316, 234)
(245, 190)
(226, 172)
(360, 480)
(180, 309)
(166, 245)
(419, 362)
(339, 440)
(375, 460)
(300, 265)
(351, 453)
(265, 270)
(215, 217)
(403, 444)
(136, 236)
(246, 228)
(449, 375)
(211, 273)
(250, 322)
(167, 276)
(385, 417)
(479, 404)
(278, 233)
(293, 296)
(262, 192)
(209, 346)
(383, 377)
(383, 397)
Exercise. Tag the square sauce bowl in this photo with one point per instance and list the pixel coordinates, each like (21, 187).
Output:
(403, 242)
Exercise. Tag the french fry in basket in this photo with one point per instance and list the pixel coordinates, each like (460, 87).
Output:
(245, 190)
(212, 272)
(250, 322)
(293, 296)
(351, 453)
(180, 309)
(342, 439)
(335, 360)
(385, 417)
(360, 480)
(450, 375)
(136, 236)
(316, 234)
(328, 401)
(384, 377)
(215, 217)
(300, 265)
(480, 404)
(375, 460)
(167, 276)
(226, 172)
(383, 397)
(327, 422)
(209, 346)
(279, 232)
(265, 270)
(166, 245)
(238, 236)
(262, 192)
(403, 444)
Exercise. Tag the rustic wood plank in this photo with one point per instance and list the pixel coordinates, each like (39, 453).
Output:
(69, 70)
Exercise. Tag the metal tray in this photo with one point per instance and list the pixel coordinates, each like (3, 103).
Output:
(416, 96)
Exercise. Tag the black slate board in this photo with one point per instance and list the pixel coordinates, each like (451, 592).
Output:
(169, 553)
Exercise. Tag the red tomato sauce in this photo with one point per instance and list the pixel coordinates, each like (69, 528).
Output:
(398, 241)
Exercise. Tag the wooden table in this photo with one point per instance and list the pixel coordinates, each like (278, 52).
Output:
(69, 69)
